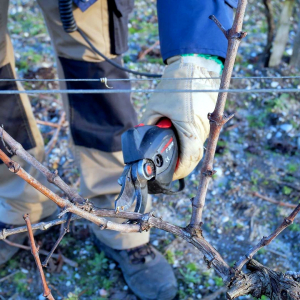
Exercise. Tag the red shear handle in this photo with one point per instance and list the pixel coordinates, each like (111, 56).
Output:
(164, 123)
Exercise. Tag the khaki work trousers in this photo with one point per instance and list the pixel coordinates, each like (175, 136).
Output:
(99, 169)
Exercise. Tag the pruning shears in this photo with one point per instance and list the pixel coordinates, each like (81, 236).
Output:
(150, 155)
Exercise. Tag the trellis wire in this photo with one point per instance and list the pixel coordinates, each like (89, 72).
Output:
(112, 91)
(104, 79)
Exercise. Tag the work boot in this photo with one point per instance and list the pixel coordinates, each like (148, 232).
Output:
(145, 270)
(7, 251)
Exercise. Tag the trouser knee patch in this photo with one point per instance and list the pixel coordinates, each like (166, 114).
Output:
(98, 120)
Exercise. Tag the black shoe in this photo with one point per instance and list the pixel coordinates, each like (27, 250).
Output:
(146, 271)
(7, 251)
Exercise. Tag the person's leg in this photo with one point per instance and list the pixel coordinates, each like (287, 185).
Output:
(96, 120)
(16, 196)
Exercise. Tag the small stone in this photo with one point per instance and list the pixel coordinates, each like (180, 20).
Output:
(125, 288)
(41, 297)
(191, 285)
(219, 231)
(77, 276)
(65, 268)
(278, 135)
(176, 263)
(211, 282)
(155, 243)
(274, 84)
(103, 293)
(240, 238)
(112, 266)
(68, 283)
(24, 271)
(286, 127)
(269, 135)
(199, 296)
(225, 219)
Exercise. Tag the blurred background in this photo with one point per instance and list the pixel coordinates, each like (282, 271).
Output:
(257, 161)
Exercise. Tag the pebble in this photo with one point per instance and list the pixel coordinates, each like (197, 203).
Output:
(225, 219)
(125, 288)
(191, 285)
(199, 296)
(155, 243)
(211, 281)
(77, 276)
(240, 238)
(286, 127)
(278, 135)
(68, 283)
(112, 266)
(65, 268)
(176, 263)
(274, 84)
(103, 293)
(24, 271)
(269, 135)
(265, 261)
(219, 231)
(41, 297)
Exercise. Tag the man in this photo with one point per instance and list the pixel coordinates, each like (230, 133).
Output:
(192, 46)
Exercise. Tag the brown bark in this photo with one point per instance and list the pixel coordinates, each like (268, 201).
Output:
(295, 59)
(35, 253)
(282, 34)
(271, 31)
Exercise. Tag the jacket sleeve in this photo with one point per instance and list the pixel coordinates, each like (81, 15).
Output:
(184, 26)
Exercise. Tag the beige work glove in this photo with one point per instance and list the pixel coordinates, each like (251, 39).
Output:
(187, 111)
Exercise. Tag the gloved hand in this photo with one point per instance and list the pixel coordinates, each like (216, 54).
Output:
(187, 111)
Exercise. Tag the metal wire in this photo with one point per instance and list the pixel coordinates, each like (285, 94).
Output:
(141, 79)
(112, 91)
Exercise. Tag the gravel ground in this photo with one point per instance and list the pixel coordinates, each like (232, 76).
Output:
(258, 152)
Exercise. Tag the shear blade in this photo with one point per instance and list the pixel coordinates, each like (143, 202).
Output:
(141, 188)
(127, 194)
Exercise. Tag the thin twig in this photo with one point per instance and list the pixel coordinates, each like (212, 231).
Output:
(68, 261)
(8, 276)
(64, 232)
(267, 240)
(256, 194)
(144, 53)
(54, 138)
(217, 118)
(18, 149)
(38, 226)
(35, 253)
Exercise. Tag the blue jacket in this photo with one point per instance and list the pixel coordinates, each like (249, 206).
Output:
(184, 26)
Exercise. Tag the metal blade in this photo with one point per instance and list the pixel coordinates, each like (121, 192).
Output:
(127, 194)
(141, 187)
